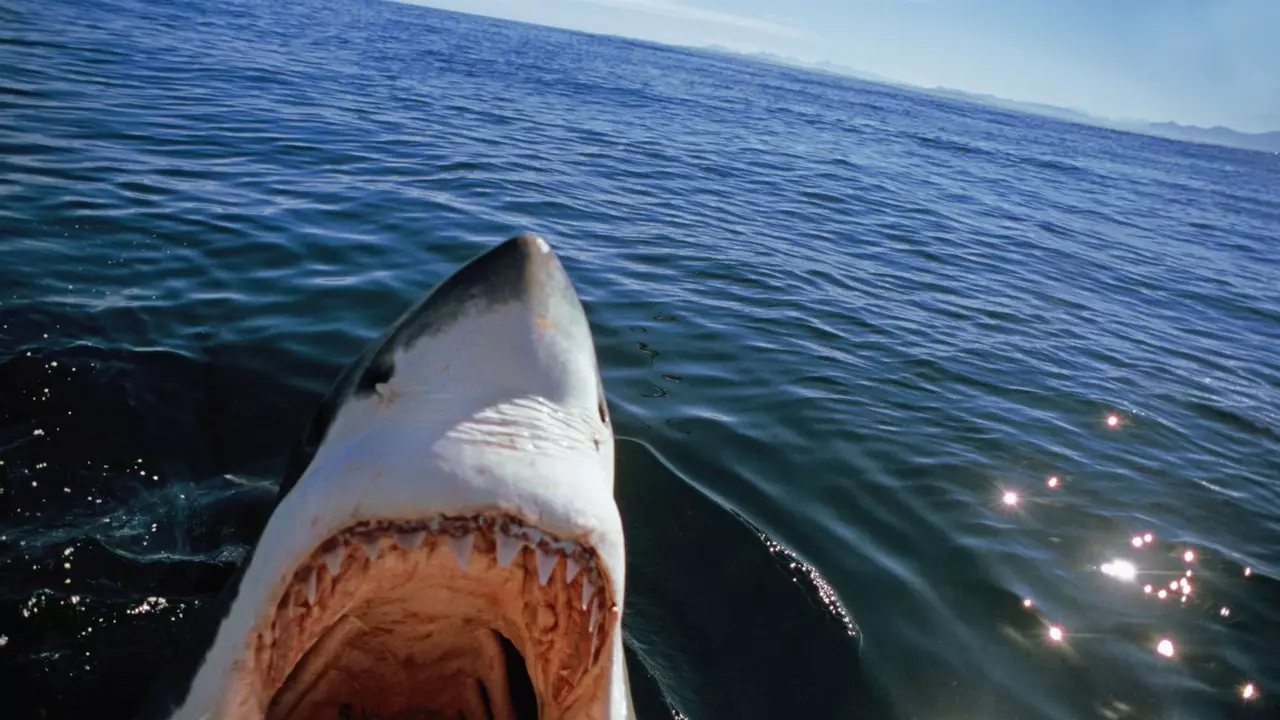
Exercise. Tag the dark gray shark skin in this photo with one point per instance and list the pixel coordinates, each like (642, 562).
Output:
(483, 399)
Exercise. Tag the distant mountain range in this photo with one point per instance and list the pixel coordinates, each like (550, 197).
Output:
(1265, 142)
(826, 67)
(1269, 141)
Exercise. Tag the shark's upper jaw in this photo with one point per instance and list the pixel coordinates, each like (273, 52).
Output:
(450, 545)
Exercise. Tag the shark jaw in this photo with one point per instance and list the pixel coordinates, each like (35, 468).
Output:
(475, 617)
(446, 543)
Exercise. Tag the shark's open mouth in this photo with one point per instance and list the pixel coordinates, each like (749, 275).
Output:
(480, 617)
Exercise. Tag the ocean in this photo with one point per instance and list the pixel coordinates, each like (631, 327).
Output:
(1007, 387)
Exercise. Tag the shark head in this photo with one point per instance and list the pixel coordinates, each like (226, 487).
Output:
(446, 541)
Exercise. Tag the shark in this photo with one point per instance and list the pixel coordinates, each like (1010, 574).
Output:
(445, 542)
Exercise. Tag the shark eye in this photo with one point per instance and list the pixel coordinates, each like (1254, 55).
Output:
(379, 371)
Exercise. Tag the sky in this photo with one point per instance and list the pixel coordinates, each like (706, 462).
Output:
(1197, 62)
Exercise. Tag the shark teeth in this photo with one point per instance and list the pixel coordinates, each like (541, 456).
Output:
(311, 588)
(546, 565)
(333, 560)
(508, 548)
(587, 589)
(591, 657)
(509, 536)
(461, 547)
(410, 540)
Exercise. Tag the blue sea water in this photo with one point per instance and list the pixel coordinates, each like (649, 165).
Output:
(857, 315)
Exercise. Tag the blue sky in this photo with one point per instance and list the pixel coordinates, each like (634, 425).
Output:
(1202, 62)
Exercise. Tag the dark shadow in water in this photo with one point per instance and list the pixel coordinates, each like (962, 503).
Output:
(729, 623)
(88, 533)
(720, 621)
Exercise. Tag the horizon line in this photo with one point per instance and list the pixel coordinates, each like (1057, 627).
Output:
(1135, 125)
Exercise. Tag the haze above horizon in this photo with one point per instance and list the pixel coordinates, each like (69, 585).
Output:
(1193, 62)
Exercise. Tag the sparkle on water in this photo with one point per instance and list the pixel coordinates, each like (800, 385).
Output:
(1120, 570)
(1165, 647)
(1055, 633)
(1010, 498)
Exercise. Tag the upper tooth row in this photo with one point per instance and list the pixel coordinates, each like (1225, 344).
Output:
(510, 541)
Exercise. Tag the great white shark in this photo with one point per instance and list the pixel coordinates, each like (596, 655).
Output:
(445, 540)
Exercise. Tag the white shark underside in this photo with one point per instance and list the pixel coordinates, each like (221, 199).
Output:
(446, 541)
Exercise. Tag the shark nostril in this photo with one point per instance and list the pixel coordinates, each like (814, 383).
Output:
(604, 411)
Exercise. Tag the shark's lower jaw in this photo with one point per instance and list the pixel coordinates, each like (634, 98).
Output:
(472, 617)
